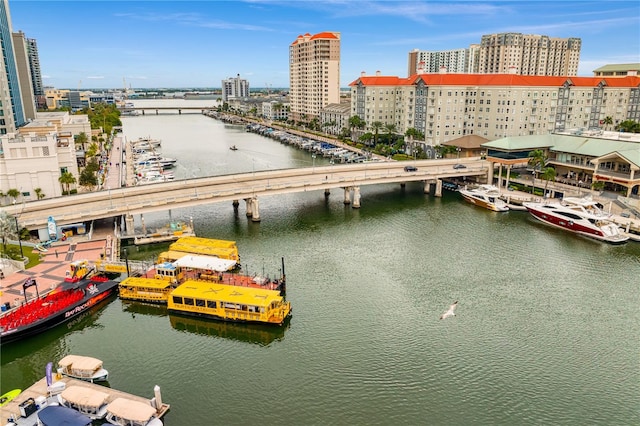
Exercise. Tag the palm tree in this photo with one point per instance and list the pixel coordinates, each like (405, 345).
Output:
(355, 122)
(608, 121)
(39, 194)
(537, 160)
(13, 193)
(376, 126)
(390, 129)
(67, 179)
(548, 173)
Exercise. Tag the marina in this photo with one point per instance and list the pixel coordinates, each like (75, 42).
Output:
(366, 344)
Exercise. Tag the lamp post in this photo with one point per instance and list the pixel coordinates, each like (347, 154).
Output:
(18, 235)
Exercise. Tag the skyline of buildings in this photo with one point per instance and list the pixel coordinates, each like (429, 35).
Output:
(503, 53)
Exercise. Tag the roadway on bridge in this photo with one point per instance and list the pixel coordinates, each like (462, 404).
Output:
(190, 192)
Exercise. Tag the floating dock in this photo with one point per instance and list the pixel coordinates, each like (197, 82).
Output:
(23, 409)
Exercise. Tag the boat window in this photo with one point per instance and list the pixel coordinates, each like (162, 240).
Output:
(188, 301)
(570, 215)
(200, 302)
(211, 304)
(177, 300)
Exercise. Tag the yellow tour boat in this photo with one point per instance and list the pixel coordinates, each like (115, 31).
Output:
(230, 303)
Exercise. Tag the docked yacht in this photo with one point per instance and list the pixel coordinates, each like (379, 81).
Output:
(581, 216)
(487, 196)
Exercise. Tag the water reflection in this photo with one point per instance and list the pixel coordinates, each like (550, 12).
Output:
(250, 333)
(141, 308)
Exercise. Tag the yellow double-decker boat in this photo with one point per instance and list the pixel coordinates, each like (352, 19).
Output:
(229, 303)
(150, 290)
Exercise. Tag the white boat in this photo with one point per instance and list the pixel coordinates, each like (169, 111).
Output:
(581, 216)
(127, 412)
(82, 368)
(92, 403)
(151, 158)
(487, 196)
(149, 141)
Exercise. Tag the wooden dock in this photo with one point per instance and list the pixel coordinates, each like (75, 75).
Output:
(38, 391)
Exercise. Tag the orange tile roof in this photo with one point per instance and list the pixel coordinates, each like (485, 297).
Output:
(496, 80)
(325, 34)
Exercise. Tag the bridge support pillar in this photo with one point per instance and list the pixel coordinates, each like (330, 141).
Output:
(255, 207)
(327, 192)
(438, 191)
(129, 226)
(490, 174)
(347, 195)
(236, 203)
(249, 204)
(356, 197)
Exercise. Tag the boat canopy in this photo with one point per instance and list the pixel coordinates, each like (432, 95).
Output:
(84, 396)
(135, 411)
(55, 415)
(210, 263)
(228, 294)
(145, 283)
(80, 363)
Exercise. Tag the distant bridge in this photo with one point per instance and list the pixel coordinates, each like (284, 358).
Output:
(246, 186)
(165, 109)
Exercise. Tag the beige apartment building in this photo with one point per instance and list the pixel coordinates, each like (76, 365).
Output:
(448, 106)
(526, 54)
(314, 74)
(39, 153)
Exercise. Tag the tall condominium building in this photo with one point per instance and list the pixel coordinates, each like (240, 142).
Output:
(527, 54)
(448, 106)
(36, 73)
(10, 100)
(422, 61)
(24, 74)
(235, 88)
(314, 74)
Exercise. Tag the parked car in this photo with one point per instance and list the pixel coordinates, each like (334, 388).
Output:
(410, 169)
(459, 166)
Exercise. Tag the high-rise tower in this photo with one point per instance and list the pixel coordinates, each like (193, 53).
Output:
(314, 74)
(10, 100)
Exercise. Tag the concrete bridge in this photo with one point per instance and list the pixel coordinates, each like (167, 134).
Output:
(249, 187)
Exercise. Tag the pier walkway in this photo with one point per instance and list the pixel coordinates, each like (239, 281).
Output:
(38, 392)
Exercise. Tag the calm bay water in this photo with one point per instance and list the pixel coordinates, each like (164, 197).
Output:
(546, 330)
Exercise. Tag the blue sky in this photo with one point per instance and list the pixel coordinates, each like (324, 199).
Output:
(96, 44)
